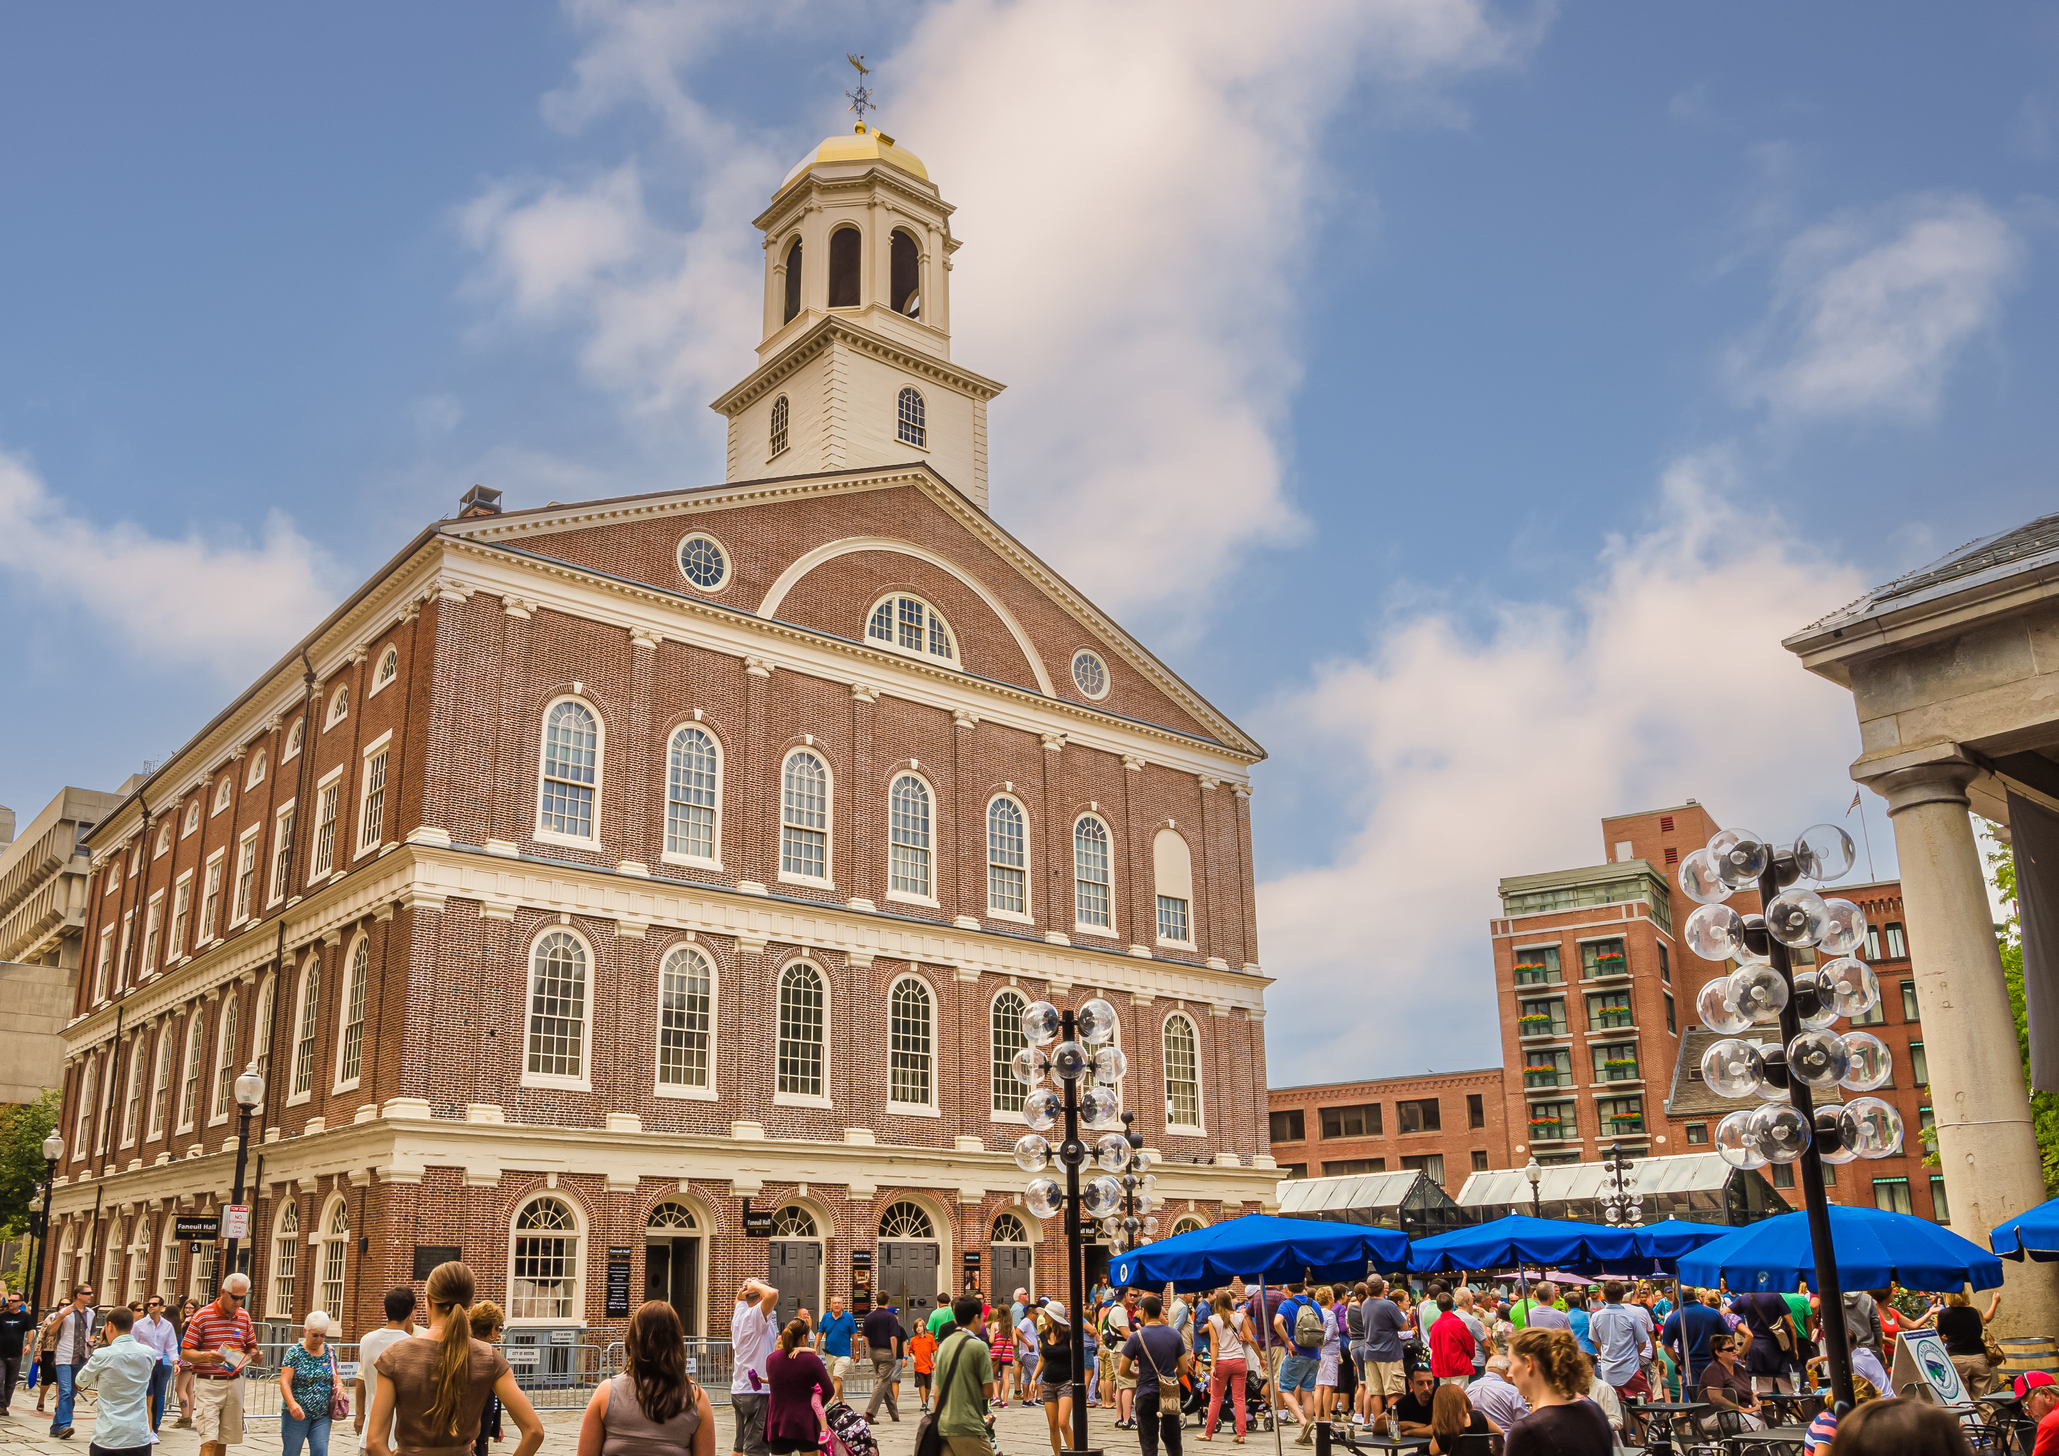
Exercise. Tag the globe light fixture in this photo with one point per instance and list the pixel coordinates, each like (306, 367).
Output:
(1714, 932)
(1700, 882)
(1846, 931)
(1823, 853)
(1740, 857)
(1717, 1009)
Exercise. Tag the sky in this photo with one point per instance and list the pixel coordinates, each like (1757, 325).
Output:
(1465, 397)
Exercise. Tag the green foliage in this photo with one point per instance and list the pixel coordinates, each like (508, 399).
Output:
(2044, 1106)
(22, 1130)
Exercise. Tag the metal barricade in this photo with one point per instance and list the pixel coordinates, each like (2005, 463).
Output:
(708, 1362)
(261, 1398)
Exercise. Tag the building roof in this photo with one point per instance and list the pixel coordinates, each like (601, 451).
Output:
(1510, 1187)
(864, 144)
(2029, 548)
(1308, 1197)
(1689, 1096)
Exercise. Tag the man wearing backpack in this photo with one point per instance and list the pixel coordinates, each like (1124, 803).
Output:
(964, 1385)
(1299, 1324)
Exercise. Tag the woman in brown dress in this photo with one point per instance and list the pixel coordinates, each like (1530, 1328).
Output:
(433, 1389)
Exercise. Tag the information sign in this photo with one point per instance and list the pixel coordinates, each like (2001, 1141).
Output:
(617, 1306)
(1920, 1362)
(236, 1221)
(197, 1226)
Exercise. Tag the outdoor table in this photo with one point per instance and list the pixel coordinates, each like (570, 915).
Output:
(1772, 1435)
(1790, 1408)
(1658, 1415)
(1391, 1443)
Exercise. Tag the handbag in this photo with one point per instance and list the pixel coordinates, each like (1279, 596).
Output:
(929, 1441)
(339, 1398)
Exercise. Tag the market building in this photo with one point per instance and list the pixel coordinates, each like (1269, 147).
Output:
(643, 894)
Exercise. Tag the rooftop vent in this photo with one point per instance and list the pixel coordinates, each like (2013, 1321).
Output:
(478, 501)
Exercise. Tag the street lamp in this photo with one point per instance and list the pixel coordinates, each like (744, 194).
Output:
(53, 1154)
(1534, 1171)
(250, 1095)
(1784, 1125)
(1099, 1109)
(1621, 1203)
(1131, 1225)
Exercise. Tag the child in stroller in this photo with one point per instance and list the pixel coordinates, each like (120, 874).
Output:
(1258, 1414)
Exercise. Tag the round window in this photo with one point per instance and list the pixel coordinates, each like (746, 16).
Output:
(703, 562)
(1090, 673)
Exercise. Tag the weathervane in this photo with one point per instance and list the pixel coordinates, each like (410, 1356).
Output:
(861, 99)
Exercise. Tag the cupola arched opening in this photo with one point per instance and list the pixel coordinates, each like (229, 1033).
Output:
(846, 256)
(793, 281)
(906, 286)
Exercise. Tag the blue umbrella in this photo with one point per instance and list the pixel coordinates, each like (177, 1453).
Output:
(2035, 1233)
(1521, 1239)
(1262, 1247)
(1873, 1247)
(1672, 1237)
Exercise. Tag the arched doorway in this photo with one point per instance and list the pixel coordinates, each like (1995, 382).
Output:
(908, 1254)
(672, 1262)
(1013, 1260)
(794, 1262)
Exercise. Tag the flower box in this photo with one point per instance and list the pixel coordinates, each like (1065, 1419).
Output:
(1620, 1062)
(1533, 1019)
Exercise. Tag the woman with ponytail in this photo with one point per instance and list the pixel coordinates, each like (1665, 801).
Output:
(653, 1408)
(433, 1389)
(1552, 1374)
(800, 1389)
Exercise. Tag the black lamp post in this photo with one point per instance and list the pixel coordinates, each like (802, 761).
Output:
(250, 1095)
(53, 1154)
(1133, 1224)
(1621, 1203)
(1076, 1040)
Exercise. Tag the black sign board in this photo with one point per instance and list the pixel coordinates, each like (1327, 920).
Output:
(619, 1251)
(861, 1258)
(618, 1284)
(197, 1226)
(757, 1223)
(972, 1258)
(428, 1256)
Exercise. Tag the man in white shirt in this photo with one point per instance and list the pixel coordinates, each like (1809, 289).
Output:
(400, 1314)
(120, 1371)
(155, 1332)
(753, 1330)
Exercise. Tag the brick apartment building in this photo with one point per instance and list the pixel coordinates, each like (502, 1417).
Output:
(597, 873)
(1446, 1124)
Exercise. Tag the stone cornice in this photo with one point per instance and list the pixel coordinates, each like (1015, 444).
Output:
(833, 330)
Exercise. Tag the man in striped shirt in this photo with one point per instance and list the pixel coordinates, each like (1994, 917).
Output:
(219, 1341)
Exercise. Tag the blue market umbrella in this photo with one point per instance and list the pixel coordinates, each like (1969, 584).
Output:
(1262, 1247)
(1518, 1238)
(1670, 1238)
(1873, 1247)
(2034, 1232)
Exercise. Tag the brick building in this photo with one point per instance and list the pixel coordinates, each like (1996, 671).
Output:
(597, 873)
(1445, 1124)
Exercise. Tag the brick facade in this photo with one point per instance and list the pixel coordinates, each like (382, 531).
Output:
(1337, 1136)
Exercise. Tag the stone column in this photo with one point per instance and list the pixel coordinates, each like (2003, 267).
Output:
(1986, 1143)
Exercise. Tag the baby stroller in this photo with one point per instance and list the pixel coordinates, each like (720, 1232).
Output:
(1258, 1411)
(849, 1433)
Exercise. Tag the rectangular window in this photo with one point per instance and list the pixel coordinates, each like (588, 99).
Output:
(1090, 893)
(1892, 1194)
(1608, 1011)
(1419, 1115)
(685, 1029)
(1665, 965)
(1697, 1133)
(1620, 1116)
(1671, 1024)
(1430, 1165)
(1479, 1160)
(1830, 1175)
(1541, 1018)
(282, 853)
(1287, 1170)
(1289, 1126)
(1940, 1209)
(1602, 958)
(1873, 942)
(246, 876)
(1538, 965)
(1345, 1167)
(1783, 1175)
(1172, 919)
(182, 913)
(371, 817)
(1897, 945)
(1909, 1012)
(103, 965)
(325, 831)
(1476, 1110)
(1548, 1067)
(1876, 1017)
(153, 928)
(1919, 1064)
(1926, 1121)
(1616, 1063)
(121, 949)
(211, 901)
(1359, 1120)
(1553, 1122)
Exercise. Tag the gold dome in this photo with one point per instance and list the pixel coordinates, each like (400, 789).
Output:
(864, 144)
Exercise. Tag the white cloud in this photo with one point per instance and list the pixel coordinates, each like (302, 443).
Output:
(1464, 756)
(1870, 312)
(1136, 213)
(216, 600)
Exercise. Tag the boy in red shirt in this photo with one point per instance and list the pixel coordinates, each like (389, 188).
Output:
(1451, 1344)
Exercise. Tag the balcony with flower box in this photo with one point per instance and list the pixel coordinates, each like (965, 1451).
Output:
(1619, 1069)
(1536, 1027)
(1547, 1077)
(1538, 973)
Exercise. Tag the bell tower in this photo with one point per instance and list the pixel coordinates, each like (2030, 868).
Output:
(854, 365)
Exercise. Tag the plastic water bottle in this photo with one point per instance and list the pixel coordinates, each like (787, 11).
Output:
(1393, 1425)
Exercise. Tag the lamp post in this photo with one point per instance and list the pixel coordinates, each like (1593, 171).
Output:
(250, 1095)
(1132, 1224)
(53, 1154)
(1070, 1034)
(1621, 1203)
(1765, 991)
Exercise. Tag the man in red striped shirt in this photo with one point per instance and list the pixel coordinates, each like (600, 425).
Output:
(219, 1341)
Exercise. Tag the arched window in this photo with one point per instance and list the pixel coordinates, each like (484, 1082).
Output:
(910, 425)
(261, 1029)
(257, 770)
(804, 818)
(161, 1083)
(686, 1021)
(164, 842)
(65, 1245)
(222, 791)
(168, 1276)
(911, 625)
(672, 1218)
(293, 738)
(192, 819)
(1092, 901)
(196, 1057)
(339, 708)
(82, 1124)
(543, 1281)
(908, 837)
(1007, 859)
(906, 265)
(111, 1261)
(1173, 863)
(132, 1105)
(285, 1258)
(794, 1222)
(1182, 1073)
(1006, 1039)
(779, 419)
(351, 1047)
(387, 671)
(225, 1060)
(335, 1252)
(846, 259)
(557, 1010)
(905, 1220)
(1008, 1229)
(571, 770)
(793, 282)
(908, 1043)
(1187, 1224)
(801, 1000)
(304, 1024)
(693, 795)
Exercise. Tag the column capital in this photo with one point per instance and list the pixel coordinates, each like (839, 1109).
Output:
(1938, 774)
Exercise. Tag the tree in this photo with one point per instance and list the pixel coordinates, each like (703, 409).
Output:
(2044, 1106)
(22, 1131)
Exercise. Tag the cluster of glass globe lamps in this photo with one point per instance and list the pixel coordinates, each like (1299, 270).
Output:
(1756, 994)
(1125, 1177)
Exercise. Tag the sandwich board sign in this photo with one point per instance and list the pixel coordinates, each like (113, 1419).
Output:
(1924, 1370)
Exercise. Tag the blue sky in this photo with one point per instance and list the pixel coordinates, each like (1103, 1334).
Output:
(1465, 397)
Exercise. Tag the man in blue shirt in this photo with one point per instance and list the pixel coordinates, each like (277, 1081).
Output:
(120, 1371)
(1576, 1316)
(833, 1342)
(1686, 1333)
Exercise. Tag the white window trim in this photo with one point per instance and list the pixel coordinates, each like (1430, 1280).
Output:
(164, 840)
(786, 877)
(319, 1238)
(1163, 940)
(1072, 674)
(270, 871)
(666, 1089)
(1027, 915)
(923, 400)
(224, 890)
(218, 1112)
(189, 820)
(103, 966)
(159, 1066)
(153, 909)
(1112, 930)
(135, 1093)
(785, 436)
(381, 682)
(673, 857)
(728, 561)
(1182, 1129)
(338, 710)
(256, 775)
(251, 838)
(1016, 1118)
(600, 773)
(909, 897)
(314, 836)
(189, 1116)
(583, 1082)
(921, 654)
(807, 1099)
(312, 966)
(349, 965)
(911, 1109)
(186, 881)
(296, 738)
(224, 794)
(577, 1263)
(359, 849)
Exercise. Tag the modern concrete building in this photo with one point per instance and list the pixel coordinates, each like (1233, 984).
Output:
(1954, 672)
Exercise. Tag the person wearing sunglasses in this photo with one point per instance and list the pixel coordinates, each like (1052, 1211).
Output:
(219, 1342)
